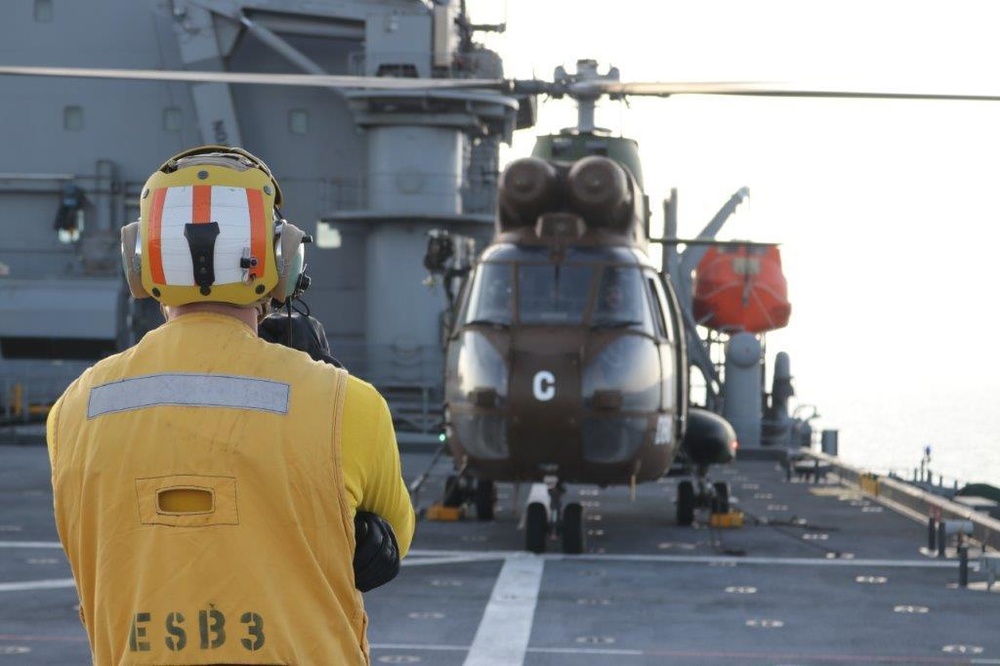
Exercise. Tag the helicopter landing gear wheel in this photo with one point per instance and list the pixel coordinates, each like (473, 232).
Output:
(486, 496)
(453, 492)
(573, 532)
(536, 527)
(685, 503)
(720, 503)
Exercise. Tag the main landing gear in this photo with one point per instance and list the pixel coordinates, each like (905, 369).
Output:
(700, 494)
(482, 493)
(544, 523)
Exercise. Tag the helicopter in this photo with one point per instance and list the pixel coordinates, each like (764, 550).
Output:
(566, 361)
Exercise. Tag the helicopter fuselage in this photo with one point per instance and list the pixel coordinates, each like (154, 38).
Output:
(565, 365)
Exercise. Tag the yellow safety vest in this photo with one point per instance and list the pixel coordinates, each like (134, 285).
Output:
(201, 501)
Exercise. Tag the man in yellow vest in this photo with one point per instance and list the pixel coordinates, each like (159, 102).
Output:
(223, 499)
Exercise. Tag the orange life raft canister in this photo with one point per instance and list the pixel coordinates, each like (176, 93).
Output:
(741, 287)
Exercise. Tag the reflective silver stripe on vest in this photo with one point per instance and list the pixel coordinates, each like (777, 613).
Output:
(189, 390)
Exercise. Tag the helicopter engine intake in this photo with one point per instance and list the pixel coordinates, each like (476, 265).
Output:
(527, 188)
(599, 188)
(592, 193)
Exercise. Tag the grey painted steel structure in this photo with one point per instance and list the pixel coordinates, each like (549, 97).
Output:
(378, 169)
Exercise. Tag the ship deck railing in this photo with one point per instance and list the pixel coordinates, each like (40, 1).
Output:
(910, 500)
(927, 479)
(410, 378)
(27, 398)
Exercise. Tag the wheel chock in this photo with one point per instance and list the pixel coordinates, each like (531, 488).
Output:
(732, 519)
(442, 512)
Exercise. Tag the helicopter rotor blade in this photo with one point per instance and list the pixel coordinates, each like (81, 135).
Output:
(313, 80)
(765, 89)
(581, 89)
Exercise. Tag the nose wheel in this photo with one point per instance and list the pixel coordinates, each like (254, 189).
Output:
(536, 527)
(700, 494)
(555, 523)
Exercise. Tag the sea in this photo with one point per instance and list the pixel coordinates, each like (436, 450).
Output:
(886, 429)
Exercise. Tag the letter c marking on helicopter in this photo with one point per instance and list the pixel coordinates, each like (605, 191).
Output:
(544, 385)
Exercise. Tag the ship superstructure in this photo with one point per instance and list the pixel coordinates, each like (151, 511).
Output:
(367, 173)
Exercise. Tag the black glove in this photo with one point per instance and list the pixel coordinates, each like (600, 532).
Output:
(300, 332)
(376, 554)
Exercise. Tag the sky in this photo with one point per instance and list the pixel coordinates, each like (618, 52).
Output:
(885, 210)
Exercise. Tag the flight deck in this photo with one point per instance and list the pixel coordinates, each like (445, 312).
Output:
(819, 573)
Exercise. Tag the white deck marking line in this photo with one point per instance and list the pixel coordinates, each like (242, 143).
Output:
(429, 561)
(503, 633)
(610, 652)
(491, 554)
(37, 585)
(430, 647)
(782, 561)
(483, 555)
(30, 544)
(553, 650)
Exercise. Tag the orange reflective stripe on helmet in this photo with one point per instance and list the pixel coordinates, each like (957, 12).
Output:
(258, 233)
(155, 239)
(201, 207)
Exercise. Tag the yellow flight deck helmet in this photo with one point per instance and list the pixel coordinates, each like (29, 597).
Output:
(210, 230)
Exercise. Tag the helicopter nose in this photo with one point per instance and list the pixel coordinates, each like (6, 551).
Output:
(545, 397)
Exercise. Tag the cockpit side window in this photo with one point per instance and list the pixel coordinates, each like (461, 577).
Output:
(491, 296)
(668, 319)
(655, 291)
(553, 293)
(621, 300)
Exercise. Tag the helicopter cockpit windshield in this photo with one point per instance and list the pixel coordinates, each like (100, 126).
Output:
(620, 300)
(553, 293)
(491, 300)
(602, 296)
